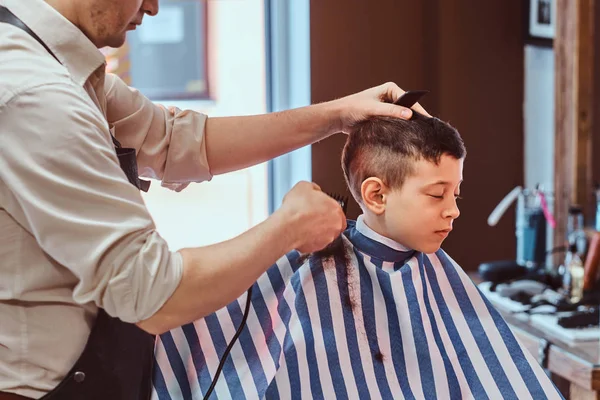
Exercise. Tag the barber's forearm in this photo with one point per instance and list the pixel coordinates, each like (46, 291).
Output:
(234, 143)
(216, 275)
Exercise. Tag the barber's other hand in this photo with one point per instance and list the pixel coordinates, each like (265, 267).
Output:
(314, 219)
(374, 101)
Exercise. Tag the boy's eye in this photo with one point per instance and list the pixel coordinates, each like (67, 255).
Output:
(456, 196)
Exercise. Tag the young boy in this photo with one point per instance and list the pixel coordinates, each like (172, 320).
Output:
(381, 313)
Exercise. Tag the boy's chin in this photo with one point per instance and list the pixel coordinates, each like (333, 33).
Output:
(428, 248)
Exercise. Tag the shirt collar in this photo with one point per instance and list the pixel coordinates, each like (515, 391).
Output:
(363, 228)
(375, 245)
(74, 50)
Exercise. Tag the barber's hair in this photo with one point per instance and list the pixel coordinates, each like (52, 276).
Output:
(387, 148)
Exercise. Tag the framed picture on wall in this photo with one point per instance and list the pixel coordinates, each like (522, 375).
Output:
(541, 22)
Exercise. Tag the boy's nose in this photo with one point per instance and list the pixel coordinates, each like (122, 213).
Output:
(452, 212)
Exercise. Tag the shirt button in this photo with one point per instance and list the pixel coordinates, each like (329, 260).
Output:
(79, 376)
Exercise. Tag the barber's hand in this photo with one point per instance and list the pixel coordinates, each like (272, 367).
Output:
(314, 219)
(374, 101)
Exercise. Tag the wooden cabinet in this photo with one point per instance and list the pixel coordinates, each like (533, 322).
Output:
(575, 369)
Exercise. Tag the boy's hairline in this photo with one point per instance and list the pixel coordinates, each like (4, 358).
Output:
(410, 173)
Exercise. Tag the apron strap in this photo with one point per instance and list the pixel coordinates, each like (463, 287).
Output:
(118, 359)
(7, 16)
(127, 157)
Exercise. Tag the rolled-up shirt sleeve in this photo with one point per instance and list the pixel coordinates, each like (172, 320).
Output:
(66, 188)
(170, 143)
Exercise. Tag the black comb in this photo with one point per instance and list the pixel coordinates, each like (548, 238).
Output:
(410, 98)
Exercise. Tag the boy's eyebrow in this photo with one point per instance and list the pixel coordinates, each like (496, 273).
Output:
(442, 183)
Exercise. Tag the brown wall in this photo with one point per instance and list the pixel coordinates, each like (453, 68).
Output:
(595, 120)
(470, 56)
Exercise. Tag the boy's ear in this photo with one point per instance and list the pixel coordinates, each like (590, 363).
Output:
(374, 192)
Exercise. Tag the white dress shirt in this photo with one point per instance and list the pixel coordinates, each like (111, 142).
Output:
(75, 235)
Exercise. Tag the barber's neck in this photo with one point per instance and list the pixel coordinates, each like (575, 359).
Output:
(66, 8)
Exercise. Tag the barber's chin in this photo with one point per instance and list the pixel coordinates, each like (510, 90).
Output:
(116, 41)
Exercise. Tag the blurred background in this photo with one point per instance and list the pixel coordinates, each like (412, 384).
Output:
(517, 78)
(489, 73)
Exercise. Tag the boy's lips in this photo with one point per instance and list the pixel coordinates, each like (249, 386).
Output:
(444, 232)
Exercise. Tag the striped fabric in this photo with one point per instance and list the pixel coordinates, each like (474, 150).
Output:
(376, 323)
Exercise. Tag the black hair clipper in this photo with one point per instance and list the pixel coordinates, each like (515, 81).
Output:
(342, 201)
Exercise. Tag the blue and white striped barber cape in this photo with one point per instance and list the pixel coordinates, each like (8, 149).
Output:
(392, 324)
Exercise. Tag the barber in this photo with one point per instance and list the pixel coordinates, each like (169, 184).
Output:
(85, 279)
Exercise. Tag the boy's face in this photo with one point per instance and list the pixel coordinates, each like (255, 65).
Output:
(420, 214)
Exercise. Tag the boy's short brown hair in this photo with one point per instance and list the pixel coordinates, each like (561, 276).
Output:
(386, 148)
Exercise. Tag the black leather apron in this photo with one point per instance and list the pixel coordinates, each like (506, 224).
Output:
(118, 358)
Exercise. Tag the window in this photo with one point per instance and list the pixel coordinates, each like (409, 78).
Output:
(255, 57)
(166, 57)
(232, 203)
(288, 77)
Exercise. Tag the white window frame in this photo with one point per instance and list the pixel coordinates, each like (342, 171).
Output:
(287, 28)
